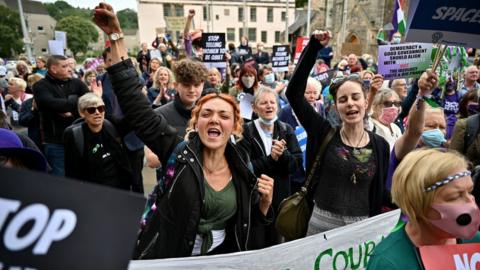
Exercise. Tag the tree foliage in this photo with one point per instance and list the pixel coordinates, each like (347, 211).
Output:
(61, 9)
(80, 32)
(128, 18)
(11, 40)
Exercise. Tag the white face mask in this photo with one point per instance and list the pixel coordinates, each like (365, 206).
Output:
(270, 78)
(248, 81)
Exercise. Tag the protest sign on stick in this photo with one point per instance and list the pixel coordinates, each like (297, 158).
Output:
(280, 58)
(214, 50)
(300, 45)
(55, 47)
(444, 21)
(404, 60)
(325, 77)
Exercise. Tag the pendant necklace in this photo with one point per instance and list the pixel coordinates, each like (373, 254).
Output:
(356, 152)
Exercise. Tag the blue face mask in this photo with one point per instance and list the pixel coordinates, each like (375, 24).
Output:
(433, 138)
(268, 122)
(270, 78)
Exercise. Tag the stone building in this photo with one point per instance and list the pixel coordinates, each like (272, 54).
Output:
(364, 18)
(262, 20)
(40, 25)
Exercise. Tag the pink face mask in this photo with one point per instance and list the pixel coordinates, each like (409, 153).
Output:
(460, 220)
(389, 114)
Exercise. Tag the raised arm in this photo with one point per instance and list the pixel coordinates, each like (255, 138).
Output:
(298, 83)
(151, 128)
(416, 119)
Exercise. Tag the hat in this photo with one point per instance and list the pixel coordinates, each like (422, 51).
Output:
(11, 146)
(3, 71)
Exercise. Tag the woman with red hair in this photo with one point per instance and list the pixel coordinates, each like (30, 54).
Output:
(247, 83)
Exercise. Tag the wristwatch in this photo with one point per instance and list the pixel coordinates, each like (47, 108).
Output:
(115, 36)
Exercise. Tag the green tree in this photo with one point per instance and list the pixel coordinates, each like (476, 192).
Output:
(80, 32)
(128, 18)
(61, 9)
(11, 41)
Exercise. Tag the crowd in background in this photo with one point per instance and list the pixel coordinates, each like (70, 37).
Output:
(101, 127)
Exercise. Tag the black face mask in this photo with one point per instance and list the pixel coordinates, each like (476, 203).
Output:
(472, 109)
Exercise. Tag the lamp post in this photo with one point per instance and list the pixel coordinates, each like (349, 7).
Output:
(26, 38)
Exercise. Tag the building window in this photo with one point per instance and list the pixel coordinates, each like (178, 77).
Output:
(252, 34)
(277, 36)
(264, 36)
(240, 31)
(44, 50)
(253, 14)
(167, 10)
(241, 15)
(284, 16)
(217, 17)
(230, 34)
(270, 15)
(226, 12)
(40, 29)
(205, 13)
(179, 10)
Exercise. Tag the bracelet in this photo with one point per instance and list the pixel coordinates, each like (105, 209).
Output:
(420, 100)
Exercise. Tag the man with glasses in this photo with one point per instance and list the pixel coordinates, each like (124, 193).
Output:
(56, 96)
(93, 149)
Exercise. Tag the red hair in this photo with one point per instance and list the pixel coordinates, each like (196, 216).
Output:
(248, 70)
(237, 119)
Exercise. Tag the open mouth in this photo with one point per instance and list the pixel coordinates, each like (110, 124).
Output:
(213, 132)
(352, 113)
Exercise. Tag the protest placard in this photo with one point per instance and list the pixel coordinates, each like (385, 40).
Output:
(299, 46)
(214, 50)
(55, 47)
(325, 77)
(280, 58)
(404, 60)
(246, 109)
(348, 247)
(61, 36)
(49, 222)
(444, 21)
(451, 257)
(301, 135)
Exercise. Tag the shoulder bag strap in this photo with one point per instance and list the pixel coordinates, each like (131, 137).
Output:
(320, 152)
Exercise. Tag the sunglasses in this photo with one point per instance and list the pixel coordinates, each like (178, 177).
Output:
(92, 110)
(388, 104)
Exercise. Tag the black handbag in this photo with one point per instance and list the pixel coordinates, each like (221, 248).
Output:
(295, 211)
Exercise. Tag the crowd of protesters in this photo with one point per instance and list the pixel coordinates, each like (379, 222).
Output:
(221, 178)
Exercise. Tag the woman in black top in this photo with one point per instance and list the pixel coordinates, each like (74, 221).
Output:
(350, 182)
(93, 150)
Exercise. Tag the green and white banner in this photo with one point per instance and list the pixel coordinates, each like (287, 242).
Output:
(347, 247)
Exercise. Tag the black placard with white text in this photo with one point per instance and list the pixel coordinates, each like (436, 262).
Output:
(49, 222)
(214, 49)
(280, 58)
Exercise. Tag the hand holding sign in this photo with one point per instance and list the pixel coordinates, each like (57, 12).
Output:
(427, 82)
(376, 83)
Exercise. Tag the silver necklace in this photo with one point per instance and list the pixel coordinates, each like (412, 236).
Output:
(355, 151)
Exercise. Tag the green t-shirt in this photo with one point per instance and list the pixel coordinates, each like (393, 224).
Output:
(398, 252)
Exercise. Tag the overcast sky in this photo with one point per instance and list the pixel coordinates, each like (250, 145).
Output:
(117, 4)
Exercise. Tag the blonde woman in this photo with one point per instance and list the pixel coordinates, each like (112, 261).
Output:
(385, 109)
(438, 203)
(162, 90)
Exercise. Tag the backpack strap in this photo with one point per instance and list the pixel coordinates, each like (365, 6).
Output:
(78, 137)
(110, 128)
(471, 131)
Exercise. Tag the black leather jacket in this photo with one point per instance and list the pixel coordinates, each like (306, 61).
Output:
(181, 205)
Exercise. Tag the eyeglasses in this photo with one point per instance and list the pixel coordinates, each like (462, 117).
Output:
(92, 110)
(387, 104)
